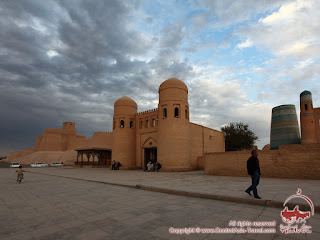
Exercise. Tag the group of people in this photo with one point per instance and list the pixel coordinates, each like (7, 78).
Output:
(150, 166)
(115, 165)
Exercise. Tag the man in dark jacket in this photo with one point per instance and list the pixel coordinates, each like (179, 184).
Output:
(113, 165)
(254, 170)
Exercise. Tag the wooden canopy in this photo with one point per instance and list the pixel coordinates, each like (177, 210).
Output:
(95, 156)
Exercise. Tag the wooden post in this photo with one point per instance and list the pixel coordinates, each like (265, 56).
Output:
(81, 158)
(77, 157)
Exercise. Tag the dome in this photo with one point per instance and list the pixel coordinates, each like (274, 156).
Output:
(305, 92)
(173, 83)
(125, 101)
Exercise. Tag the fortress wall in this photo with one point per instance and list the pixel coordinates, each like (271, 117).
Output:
(204, 140)
(38, 142)
(81, 142)
(101, 140)
(52, 131)
(12, 156)
(41, 156)
(214, 141)
(27, 151)
(68, 141)
(51, 142)
(68, 157)
(290, 161)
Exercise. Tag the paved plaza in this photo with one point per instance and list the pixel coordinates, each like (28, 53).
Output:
(273, 191)
(56, 207)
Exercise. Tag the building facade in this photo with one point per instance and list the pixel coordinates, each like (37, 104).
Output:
(164, 134)
(309, 119)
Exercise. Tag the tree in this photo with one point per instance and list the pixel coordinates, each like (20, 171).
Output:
(238, 136)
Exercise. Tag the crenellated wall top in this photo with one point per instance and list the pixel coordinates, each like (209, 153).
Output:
(147, 112)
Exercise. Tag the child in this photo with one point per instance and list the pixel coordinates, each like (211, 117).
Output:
(20, 172)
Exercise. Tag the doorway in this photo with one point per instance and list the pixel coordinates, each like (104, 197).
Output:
(150, 154)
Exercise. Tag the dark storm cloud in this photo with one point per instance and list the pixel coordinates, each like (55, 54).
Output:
(89, 67)
(70, 60)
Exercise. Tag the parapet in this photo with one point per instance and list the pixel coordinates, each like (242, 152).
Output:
(147, 112)
(52, 131)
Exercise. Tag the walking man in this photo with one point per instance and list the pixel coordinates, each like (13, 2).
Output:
(254, 170)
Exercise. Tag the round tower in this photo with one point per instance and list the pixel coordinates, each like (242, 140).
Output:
(307, 120)
(124, 132)
(284, 126)
(173, 128)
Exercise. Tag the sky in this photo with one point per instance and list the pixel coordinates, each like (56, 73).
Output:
(71, 60)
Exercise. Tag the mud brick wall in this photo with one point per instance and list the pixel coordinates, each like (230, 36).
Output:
(290, 161)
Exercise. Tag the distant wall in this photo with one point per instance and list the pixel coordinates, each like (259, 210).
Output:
(204, 140)
(14, 155)
(67, 157)
(290, 161)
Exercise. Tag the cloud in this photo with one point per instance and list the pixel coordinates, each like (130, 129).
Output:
(71, 60)
(245, 44)
(292, 30)
(286, 13)
(231, 12)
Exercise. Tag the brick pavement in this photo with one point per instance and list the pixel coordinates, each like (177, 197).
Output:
(53, 207)
(273, 191)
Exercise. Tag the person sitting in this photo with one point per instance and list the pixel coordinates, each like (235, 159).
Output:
(157, 166)
(149, 166)
(118, 165)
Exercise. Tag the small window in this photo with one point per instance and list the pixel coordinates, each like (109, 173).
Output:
(176, 112)
(306, 106)
(121, 124)
(147, 123)
(186, 114)
(131, 124)
(165, 113)
(153, 122)
(71, 124)
(141, 124)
